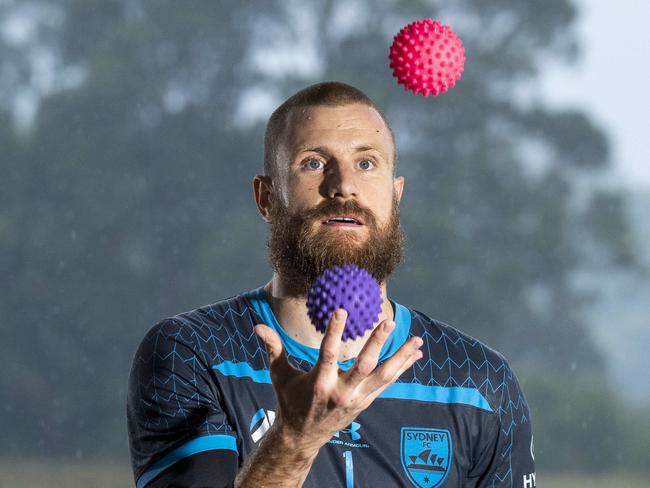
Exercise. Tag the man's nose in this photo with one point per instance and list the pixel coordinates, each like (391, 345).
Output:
(340, 181)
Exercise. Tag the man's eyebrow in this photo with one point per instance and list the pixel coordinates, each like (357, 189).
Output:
(311, 149)
(321, 149)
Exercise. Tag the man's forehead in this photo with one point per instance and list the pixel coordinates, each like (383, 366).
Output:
(319, 114)
(347, 116)
(354, 121)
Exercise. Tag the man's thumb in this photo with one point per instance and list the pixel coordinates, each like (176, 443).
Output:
(271, 341)
(279, 366)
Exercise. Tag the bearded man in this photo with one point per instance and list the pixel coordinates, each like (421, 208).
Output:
(245, 392)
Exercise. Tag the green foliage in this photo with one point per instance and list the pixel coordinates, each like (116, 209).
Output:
(582, 425)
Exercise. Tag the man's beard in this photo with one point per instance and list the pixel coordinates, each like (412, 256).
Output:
(299, 255)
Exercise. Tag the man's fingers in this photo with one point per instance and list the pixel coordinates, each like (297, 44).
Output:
(367, 359)
(406, 365)
(331, 345)
(279, 366)
(372, 394)
(388, 372)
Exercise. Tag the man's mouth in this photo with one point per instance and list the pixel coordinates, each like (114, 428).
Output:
(343, 220)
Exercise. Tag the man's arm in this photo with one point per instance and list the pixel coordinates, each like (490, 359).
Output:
(276, 462)
(313, 406)
(198, 471)
(179, 434)
(510, 461)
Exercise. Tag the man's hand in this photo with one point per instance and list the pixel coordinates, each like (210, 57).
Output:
(313, 406)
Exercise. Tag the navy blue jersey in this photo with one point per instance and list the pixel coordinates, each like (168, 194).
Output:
(200, 399)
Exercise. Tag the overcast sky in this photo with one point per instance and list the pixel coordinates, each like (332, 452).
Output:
(612, 83)
(612, 80)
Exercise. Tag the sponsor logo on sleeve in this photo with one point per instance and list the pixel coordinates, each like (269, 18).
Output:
(529, 480)
(261, 422)
(532, 448)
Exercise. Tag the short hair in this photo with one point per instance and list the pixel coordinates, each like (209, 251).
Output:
(328, 93)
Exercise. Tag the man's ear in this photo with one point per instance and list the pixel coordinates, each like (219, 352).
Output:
(398, 185)
(263, 191)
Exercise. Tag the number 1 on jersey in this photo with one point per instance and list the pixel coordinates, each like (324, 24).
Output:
(349, 470)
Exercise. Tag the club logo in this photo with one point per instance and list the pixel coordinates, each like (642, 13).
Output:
(426, 455)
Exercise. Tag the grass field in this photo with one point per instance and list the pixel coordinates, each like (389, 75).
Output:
(48, 474)
(612, 480)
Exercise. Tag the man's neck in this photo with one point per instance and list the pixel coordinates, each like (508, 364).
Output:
(291, 313)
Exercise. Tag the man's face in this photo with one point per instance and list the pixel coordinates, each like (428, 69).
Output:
(335, 162)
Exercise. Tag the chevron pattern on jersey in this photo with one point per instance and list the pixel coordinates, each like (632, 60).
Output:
(455, 359)
(197, 340)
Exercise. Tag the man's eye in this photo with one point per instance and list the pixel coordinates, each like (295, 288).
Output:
(365, 163)
(312, 163)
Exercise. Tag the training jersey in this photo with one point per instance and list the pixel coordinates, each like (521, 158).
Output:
(200, 398)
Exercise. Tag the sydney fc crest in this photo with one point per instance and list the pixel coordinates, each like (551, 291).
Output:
(426, 455)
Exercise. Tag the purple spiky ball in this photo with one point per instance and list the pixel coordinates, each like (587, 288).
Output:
(349, 287)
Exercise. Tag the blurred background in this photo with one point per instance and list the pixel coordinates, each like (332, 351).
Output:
(130, 131)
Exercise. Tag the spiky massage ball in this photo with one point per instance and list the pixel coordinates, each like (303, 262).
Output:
(427, 57)
(349, 287)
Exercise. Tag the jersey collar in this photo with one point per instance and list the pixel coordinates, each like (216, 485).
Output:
(310, 354)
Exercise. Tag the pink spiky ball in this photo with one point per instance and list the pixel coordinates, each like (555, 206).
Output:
(427, 57)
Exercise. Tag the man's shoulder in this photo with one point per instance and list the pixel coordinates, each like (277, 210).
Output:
(207, 326)
(457, 359)
(454, 338)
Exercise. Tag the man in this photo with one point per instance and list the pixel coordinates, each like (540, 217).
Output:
(247, 393)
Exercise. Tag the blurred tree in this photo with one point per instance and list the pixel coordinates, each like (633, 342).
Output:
(130, 197)
(583, 426)
(109, 207)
